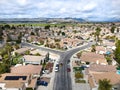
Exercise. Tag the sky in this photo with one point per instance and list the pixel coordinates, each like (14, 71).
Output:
(92, 10)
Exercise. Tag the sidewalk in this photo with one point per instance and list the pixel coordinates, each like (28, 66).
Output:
(76, 47)
(42, 46)
(52, 76)
(77, 86)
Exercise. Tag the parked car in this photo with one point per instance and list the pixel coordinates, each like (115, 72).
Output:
(84, 66)
(42, 83)
(57, 68)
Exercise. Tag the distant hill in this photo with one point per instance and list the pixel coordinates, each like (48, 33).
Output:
(41, 20)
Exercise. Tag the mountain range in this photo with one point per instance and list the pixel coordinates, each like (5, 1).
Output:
(49, 20)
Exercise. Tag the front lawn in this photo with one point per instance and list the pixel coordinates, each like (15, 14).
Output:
(80, 81)
(17, 60)
(118, 68)
(79, 75)
(78, 69)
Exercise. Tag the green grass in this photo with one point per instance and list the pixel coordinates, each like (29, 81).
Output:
(38, 44)
(118, 68)
(37, 24)
(77, 69)
(16, 60)
(80, 81)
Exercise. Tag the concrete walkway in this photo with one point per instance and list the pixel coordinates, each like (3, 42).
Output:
(52, 76)
(77, 86)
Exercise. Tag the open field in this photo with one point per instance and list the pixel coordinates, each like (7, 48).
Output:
(51, 24)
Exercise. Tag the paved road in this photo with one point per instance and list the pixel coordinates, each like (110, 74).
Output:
(63, 78)
(41, 48)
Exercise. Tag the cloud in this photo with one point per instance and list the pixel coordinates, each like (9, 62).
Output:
(86, 9)
(22, 2)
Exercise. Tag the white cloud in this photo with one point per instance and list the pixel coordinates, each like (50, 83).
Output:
(22, 2)
(88, 9)
(89, 6)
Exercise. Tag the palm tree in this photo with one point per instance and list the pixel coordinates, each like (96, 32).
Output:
(97, 33)
(104, 85)
(93, 48)
(8, 48)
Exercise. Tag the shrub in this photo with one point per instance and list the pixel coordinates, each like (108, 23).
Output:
(87, 63)
(80, 81)
(37, 54)
(78, 75)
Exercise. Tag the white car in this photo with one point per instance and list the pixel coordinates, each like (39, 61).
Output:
(56, 69)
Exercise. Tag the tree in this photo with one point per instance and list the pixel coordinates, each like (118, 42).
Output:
(97, 33)
(44, 63)
(41, 62)
(32, 33)
(6, 26)
(79, 54)
(117, 52)
(8, 48)
(41, 42)
(63, 33)
(109, 59)
(57, 45)
(13, 27)
(1, 34)
(16, 46)
(63, 26)
(47, 57)
(19, 38)
(47, 27)
(5, 65)
(75, 31)
(112, 29)
(27, 52)
(37, 54)
(104, 85)
(93, 48)
(59, 32)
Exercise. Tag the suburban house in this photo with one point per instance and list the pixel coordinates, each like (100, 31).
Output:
(112, 76)
(13, 36)
(42, 53)
(69, 42)
(28, 59)
(98, 72)
(97, 68)
(100, 50)
(34, 70)
(10, 81)
(109, 44)
(92, 57)
(21, 50)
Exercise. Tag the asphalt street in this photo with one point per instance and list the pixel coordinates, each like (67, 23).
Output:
(62, 80)
(24, 44)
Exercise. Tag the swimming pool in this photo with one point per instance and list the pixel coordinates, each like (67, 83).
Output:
(118, 72)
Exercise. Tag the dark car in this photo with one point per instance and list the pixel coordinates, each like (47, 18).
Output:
(57, 65)
(68, 69)
(68, 61)
(83, 67)
(42, 83)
